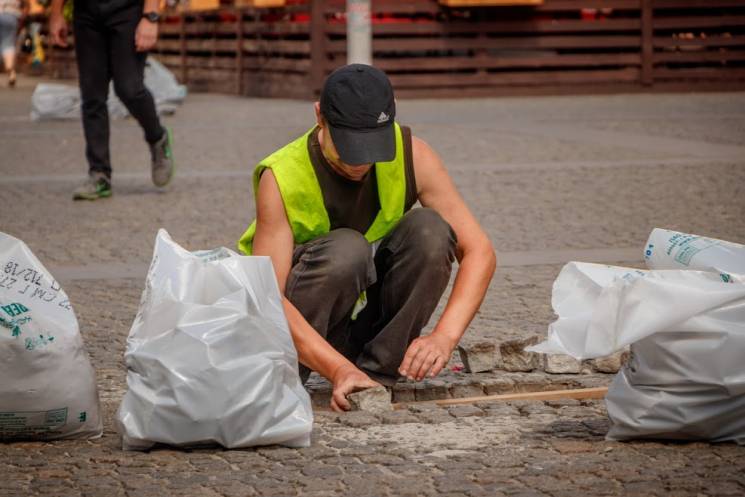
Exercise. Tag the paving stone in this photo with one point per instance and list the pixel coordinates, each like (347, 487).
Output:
(515, 358)
(321, 397)
(535, 382)
(572, 446)
(435, 417)
(465, 411)
(561, 364)
(315, 470)
(455, 484)
(431, 390)
(466, 389)
(595, 380)
(397, 417)
(479, 356)
(423, 407)
(611, 363)
(358, 419)
(404, 391)
(499, 410)
(497, 386)
(326, 416)
(373, 400)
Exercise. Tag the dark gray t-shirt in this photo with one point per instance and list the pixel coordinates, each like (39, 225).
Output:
(354, 204)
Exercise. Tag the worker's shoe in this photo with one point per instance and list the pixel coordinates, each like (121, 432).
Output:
(98, 185)
(162, 156)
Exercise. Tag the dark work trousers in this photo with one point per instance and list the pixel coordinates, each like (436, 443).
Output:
(403, 281)
(105, 49)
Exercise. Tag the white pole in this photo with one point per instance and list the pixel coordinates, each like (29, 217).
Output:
(359, 32)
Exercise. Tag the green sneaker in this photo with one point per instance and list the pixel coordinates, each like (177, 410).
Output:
(98, 185)
(163, 164)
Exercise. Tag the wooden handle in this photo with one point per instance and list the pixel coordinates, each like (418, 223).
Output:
(578, 393)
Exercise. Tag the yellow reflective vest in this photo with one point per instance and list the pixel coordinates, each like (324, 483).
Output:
(303, 199)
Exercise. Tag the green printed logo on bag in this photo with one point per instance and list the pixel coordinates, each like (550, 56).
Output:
(14, 310)
(14, 325)
(37, 342)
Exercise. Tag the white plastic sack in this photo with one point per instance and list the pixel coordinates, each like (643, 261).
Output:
(210, 357)
(58, 101)
(55, 101)
(602, 308)
(163, 84)
(667, 249)
(681, 386)
(685, 378)
(48, 389)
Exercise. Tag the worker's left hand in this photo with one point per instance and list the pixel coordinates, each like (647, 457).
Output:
(146, 35)
(426, 356)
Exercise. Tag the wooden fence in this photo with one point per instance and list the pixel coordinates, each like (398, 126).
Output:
(559, 46)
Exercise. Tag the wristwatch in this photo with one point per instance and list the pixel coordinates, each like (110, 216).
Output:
(151, 16)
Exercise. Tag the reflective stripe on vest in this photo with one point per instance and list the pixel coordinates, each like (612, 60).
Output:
(303, 199)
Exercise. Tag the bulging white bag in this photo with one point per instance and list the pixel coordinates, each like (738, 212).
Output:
(48, 389)
(685, 378)
(210, 357)
(667, 249)
(59, 101)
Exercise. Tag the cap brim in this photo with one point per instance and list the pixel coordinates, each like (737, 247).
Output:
(358, 148)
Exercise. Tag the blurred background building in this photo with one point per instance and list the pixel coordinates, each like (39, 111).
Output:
(285, 48)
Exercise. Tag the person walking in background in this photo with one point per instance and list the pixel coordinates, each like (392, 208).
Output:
(112, 38)
(12, 13)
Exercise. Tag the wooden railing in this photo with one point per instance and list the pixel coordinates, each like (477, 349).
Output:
(253, 51)
(559, 46)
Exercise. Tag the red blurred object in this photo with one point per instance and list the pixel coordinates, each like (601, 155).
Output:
(589, 14)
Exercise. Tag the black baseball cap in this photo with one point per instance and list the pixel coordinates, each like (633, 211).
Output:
(358, 106)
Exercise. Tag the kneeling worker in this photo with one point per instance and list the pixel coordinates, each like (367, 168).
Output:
(360, 269)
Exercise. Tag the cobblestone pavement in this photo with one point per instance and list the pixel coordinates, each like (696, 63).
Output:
(552, 179)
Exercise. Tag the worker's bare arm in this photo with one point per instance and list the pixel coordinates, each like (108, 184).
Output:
(274, 238)
(273, 235)
(475, 253)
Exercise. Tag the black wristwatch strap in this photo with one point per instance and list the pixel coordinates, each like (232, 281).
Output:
(151, 16)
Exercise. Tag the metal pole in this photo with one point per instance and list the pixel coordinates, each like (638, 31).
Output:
(318, 55)
(359, 32)
(647, 75)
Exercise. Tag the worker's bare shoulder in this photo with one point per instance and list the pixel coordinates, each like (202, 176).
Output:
(428, 167)
(267, 182)
(424, 155)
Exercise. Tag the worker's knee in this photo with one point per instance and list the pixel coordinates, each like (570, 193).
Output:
(429, 235)
(346, 256)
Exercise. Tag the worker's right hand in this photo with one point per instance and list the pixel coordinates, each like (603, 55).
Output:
(58, 29)
(348, 379)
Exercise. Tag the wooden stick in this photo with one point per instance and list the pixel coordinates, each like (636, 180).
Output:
(578, 393)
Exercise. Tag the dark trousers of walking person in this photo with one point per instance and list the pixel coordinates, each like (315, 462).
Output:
(105, 48)
(403, 281)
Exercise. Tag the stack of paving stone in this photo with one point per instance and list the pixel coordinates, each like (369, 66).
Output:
(511, 356)
(494, 368)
